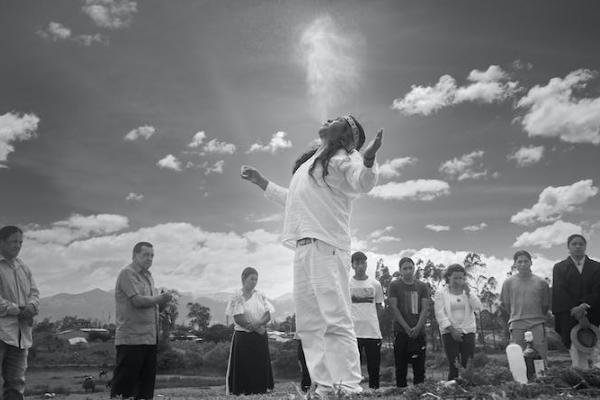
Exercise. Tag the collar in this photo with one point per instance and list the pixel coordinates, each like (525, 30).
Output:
(578, 263)
(139, 269)
(12, 263)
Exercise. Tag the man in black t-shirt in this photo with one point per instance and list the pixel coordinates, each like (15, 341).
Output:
(409, 302)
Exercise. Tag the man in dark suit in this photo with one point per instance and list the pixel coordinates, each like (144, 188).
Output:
(576, 295)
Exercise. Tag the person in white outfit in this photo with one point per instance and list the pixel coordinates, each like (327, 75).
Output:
(455, 307)
(318, 204)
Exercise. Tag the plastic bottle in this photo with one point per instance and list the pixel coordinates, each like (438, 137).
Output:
(533, 360)
(516, 362)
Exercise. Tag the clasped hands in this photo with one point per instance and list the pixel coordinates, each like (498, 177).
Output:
(580, 314)
(26, 314)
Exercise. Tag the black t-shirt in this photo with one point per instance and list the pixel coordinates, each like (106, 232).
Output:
(409, 300)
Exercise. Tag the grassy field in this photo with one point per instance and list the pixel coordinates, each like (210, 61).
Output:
(66, 383)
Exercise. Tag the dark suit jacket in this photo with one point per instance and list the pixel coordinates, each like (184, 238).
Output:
(570, 288)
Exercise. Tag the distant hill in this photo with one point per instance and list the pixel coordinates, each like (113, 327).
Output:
(100, 304)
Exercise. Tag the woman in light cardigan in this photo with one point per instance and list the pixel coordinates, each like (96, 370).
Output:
(454, 310)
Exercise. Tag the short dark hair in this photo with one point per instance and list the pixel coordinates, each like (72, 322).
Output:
(452, 269)
(574, 236)
(405, 259)
(247, 272)
(138, 246)
(9, 230)
(521, 253)
(358, 256)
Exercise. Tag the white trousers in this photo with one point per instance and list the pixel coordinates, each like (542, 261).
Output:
(323, 317)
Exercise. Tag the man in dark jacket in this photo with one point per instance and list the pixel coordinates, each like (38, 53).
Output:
(576, 295)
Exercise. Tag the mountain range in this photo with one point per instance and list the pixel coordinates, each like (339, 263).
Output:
(98, 304)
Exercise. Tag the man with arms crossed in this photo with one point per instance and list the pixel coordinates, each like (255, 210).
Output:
(136, 335)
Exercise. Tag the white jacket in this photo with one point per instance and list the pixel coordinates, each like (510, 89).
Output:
(443, 312)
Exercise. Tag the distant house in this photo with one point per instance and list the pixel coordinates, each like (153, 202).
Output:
(88, 334)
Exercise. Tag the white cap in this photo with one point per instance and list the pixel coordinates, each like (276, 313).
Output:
(528, 336)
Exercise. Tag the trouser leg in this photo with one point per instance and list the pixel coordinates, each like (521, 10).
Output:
(14, 365)
(305, 382)
(147, 373)
(418, 362)
(401, 358)
(323, 316)
(129, 363)
(373, 354)
(451, 347)
(467, 348)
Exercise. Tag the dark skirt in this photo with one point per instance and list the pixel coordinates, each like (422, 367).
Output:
(249, 370)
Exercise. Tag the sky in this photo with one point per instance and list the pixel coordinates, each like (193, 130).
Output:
(125, 121)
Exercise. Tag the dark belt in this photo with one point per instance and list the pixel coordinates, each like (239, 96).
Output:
(305, 241)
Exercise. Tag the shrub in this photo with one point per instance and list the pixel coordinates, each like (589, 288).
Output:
(169, 360)
(284, 360)
(218, 357)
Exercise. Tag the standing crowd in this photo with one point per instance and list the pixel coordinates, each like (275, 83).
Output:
(337, 315)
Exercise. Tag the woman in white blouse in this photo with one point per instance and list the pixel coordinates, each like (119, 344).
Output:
(249, 370)
(454, 310)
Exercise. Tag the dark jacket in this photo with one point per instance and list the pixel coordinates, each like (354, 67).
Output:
(570, 288)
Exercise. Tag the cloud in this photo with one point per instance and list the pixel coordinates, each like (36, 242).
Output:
(15, 128)
(145, 132)
(467, 166)
(216, 168)
(390, 168)
(55, 32)
(387, 239)
(78, 227)
(88, 40)
(380, 235)
(548, 236)
(475, 228)
(216, 147)
(527, 156)
(269, 218)
(197, 139)
(437, 228)
(58, 32)
(490, 86)
(553, 202)
(554, 111)
(110, 14)
(170, 162)
(420, 189)
(380, 232)
(425, 100)
(278, 141)
(187, 258)
(134, 197)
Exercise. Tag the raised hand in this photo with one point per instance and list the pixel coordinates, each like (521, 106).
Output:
(372, 148)
(253, 175)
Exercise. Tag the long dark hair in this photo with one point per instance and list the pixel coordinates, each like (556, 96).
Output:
(343, 142)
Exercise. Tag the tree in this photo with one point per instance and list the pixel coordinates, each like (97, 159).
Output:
(218, 333)
(74, 322)
(168, 316)
(199, 316)
(45, 326)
